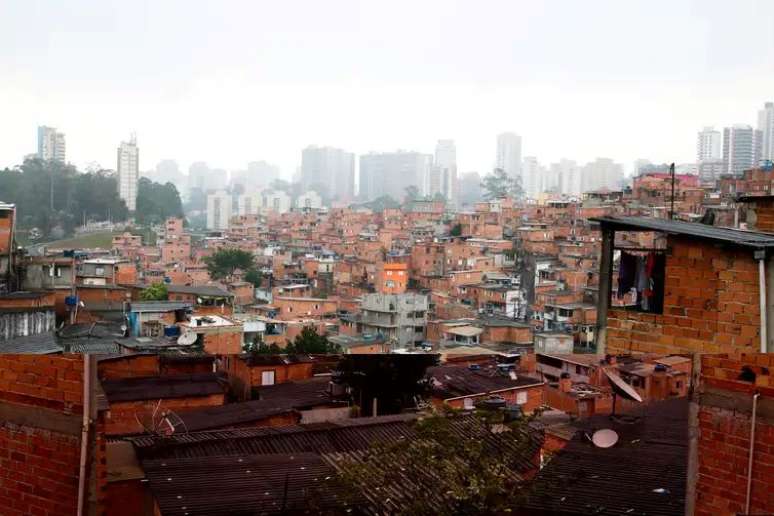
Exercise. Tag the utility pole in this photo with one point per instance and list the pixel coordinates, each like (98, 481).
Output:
(672, 202)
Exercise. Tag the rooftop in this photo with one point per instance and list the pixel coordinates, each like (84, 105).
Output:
(162, 387)
(737, 237)
(454, 381)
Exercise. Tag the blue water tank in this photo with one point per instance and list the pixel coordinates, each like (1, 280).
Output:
(71, 300)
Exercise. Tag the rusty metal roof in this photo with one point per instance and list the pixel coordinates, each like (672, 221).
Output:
(159, 387)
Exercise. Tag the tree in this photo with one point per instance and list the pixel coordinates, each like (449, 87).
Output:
(309, 341)
(382, 203)
(394, 380)
(224, 262)
(155, 292)
(499, 185)
(412, 194)
(156, 202)
(261, 348)
(456, 230)
(255, 277)
(452, 463)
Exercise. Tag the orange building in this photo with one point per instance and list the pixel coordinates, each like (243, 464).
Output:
(392, 278)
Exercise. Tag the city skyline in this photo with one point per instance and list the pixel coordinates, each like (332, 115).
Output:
(242, 98)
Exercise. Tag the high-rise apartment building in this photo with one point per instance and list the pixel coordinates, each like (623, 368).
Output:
(329, 170)
(128, 172)
(766, 128)
(509, 153)
(708, 143)
(568, 177)
(51, 144)
(741, 148)
(390, 173)
(601, 173)
(218, 210)
(533, 177)
(444, 172)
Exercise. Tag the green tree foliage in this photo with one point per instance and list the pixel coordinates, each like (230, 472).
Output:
(499, 185)
(455, 464)
(394, 380)
(50, 194)
(254, 276)
(224, 262)
(156, 202)
(412, 194)
(309, 341)
(155, 292)
(456, 230)
(382, 203)
(261, 348)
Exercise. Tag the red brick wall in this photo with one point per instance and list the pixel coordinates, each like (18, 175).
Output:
(724, 438)
(121, 420)
(39, 467)
(710, 305)
(131, 366)
(38, 471)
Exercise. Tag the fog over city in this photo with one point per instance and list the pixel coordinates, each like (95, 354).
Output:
(233, 82)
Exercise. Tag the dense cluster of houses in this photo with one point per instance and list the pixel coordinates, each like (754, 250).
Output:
(643, 313)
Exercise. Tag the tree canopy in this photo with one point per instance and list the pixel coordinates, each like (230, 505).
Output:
(156, 202)
(394, 380)
(52, 195)
(154, 292)
(224, 262)
(499, 184)
(471, 464)
(309, 341)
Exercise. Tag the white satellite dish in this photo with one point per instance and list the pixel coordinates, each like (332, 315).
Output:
(186, 339)
(604, 438)
(621, 387)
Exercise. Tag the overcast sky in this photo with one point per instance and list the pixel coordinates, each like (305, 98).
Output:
(229, 82)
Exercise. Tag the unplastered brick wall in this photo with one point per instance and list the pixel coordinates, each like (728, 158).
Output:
(54, 382)
(726, 390)
(38, 471)
(40, 411)
(710, 305)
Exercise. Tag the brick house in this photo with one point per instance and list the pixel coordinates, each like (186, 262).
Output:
(724, 459)
(133, 401)
(248, 372)
(215, 334)
(41, 407)
(462, 386)
(702, 290)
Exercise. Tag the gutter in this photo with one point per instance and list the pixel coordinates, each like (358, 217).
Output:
(86, 423)
(752, 449)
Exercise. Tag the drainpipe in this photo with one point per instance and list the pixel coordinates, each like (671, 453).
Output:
(752, 449)
(84, 433)
(760, 255)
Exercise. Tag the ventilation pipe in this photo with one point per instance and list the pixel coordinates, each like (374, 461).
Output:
(752, 449)
(760, 255)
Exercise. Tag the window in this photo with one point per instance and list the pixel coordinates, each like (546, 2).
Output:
(99, 271)
(578, 369)
(267, 377)
(467, 403)
(521, 397)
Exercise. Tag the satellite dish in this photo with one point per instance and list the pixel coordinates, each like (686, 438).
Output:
(187, 339)
(621, 387)
(604, 438)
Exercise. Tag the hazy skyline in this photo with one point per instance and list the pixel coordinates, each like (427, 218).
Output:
(233, 82)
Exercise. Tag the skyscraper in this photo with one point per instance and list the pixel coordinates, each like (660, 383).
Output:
(533, 177)
(329, 170)
(51, 144)
(390, 173)
(509, 154)
(218, 210)
(707, 144)
(766, 128)
(601, 173)
(445, 169)
(128, 172)
(568, 175)
(741, 148)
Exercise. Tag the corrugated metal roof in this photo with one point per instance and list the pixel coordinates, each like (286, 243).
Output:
(736, 237)
(156, 387)
(643, 474)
